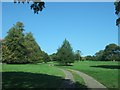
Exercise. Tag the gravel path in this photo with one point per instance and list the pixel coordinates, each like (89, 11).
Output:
(89, 81)
(69, 80)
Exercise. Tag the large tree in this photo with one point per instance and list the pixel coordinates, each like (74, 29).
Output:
(99, 55)
(19, 48)
(65, 53)
(14, 50)
(34, 52)
(111, 52)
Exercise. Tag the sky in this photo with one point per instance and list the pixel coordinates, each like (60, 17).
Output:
(88, 26)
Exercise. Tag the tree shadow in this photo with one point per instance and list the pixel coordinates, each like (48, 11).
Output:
(32, 80)
(61, 65)
(107, 66)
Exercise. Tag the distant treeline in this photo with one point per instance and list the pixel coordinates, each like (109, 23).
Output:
(20, 48)
(110, 53)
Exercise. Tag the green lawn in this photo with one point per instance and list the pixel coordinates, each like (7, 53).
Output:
(104, 72)
(49, 76)
(31, 76)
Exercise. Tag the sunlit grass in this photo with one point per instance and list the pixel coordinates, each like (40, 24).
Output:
(104, 72)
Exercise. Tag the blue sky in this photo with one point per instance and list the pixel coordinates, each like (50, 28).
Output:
(89, 27)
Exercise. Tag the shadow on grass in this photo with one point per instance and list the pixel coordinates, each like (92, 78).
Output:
(61, 65)
(108, 66)
(58, 64)
(32, 80)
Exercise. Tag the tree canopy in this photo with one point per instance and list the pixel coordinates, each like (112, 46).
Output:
(78, 55)
(110, 53)
(36, 6)
(14, 50)
(21, 48)
(117, 10)
(65, 53)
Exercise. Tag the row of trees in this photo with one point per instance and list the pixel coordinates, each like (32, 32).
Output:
(18, 47)
(110, 53)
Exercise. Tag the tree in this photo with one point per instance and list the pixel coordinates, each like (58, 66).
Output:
(14, 50)
(65, 53)
(21, 48)
(117, 11)
(99, 55)
(90, 58)
(77, 55)
(34, 52)
(111, 52)
(45, 57)
(36, 6)
(54, 57)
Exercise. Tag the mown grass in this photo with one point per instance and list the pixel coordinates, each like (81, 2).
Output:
(31, 76)
(34, 68)
(104, 72)
(48, 76)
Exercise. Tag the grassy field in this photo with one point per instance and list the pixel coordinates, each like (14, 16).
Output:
(104, 72)
(31, 76)
(49, 76)
(35, 76)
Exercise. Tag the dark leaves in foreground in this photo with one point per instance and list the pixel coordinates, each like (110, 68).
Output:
(36, 6)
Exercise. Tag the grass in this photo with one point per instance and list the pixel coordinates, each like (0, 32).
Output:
(31, 76)
(34, 68)
(104, 72)
(48, 76)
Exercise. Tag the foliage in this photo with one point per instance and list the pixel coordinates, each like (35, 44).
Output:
(36, 6)
(77, 55)
(34, 52)
(99, 55)
(117, 7)
(45, 57)
(89, 57)
(65, 53)
(111, 52)
(14, 50)
(53, 57)
(118, 21)
(21, 48)
(117, 10)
